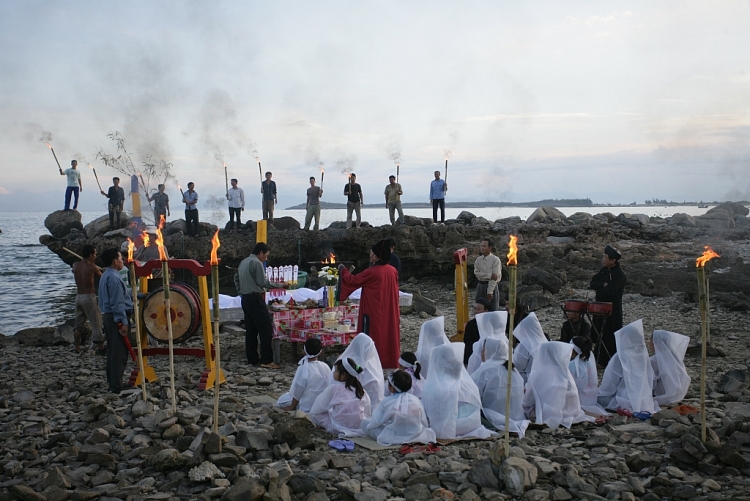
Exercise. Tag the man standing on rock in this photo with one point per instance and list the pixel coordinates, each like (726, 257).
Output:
(438, 187)
(116, 197)
(268, 189)
(313, 205)
(393, 200)
(355, 199)
(114, 303)
(251, 283)
(236, 197)
(86, 305)
(190, 199)
(161, 204)
(488, 270)
(74, 184)
(609, 285)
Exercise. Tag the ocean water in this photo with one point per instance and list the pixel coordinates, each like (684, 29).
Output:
(37, 288)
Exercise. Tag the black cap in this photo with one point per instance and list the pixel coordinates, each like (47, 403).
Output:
(612, 252)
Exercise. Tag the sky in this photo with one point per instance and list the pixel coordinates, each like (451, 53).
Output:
(619, 102)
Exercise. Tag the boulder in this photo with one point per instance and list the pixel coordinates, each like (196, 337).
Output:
(735, 380)
(518, 475)
(61, 222)
(633, 220)
(424, 304)
(168, 459)
(546, 214)
(480, 221)
(465, 217)
(682, 219)
(579, 217)
(548, 281)
(741, 221)
(717, 220)
(177, 226)
(100, 225)
(413, 221)
(484, 474)
(561, 240)
(286, 223)
(245, 489)
(43, 336)
(735, 208)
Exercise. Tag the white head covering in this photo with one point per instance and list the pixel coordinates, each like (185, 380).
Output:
(529, 333)
(587, 381)
(362, 350)
(431, 334)
(673, 380)
(339, 411)
(495, 349)
(399, 419)
(554, 392)
(637, 373)
(490, 324)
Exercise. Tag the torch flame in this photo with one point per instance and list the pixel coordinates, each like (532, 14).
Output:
(513, 251)
(146, 239)
(91, 166)
(48, 145)
(322, 170)
(160, 240)
(215, 244)
(131, 248)
(708, 255)
(257, 159)
(225, 165)
(179, 187)
(331, 259)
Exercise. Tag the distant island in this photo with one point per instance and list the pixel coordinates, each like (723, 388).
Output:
(563, 202)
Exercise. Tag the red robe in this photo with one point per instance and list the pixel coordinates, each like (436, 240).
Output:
(379, 302)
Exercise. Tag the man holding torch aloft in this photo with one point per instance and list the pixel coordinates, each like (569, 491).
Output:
(161, 204)
(74, 184)
(313, 204)
(438, 187)
(268, 189)
(236, 198)
(116, 197)
(355, 199)
(393, 200)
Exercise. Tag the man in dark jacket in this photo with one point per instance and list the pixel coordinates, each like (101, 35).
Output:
(116, 197)
(609, 285)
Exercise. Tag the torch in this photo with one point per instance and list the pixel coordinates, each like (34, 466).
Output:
(226, 179)
(136, 306)
(398, 168)
(260, 169)
(446, 170)
(97, 177)
(700, 264)
(215, 244)
(53, 154)
(167, 304)
(322, 174)
(512, 280)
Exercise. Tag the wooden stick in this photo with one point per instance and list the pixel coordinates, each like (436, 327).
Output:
(512, 279)
(702, 304)
(226, 179)
(217, 341)
(137, 320)
(72, 253)
(168, 313)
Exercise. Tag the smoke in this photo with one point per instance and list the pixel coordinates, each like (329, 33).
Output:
(453, 137)
(312, 158)
(346, 163)
(216, 205)
(393, 148)
(46, 136)
(219, 129)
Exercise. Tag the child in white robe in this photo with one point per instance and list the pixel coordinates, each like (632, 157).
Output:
(342, 407)
(492, 381)
(628, 380)
(490, 325)
(400, 417)
(530, 336)
(671, 380)
(583, 368)
(431, 334)
(551, 394)
(408, 362)
(309, 381)
(450, 398)
(362, 350)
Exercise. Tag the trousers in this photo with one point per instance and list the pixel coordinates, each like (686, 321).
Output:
(312, 211)
(71, 190)
(191, 219)
(117, 354)
(268, 210)
(356, 207)
(235, 211)
(482, 292)
(257, 324)
(87, 308)
(438, 202)
(392, 208)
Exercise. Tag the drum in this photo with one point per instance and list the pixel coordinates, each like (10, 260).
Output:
(576, 306)
(185, 313)
(596, 308)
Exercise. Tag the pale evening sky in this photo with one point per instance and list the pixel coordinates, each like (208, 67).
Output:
(616, 101)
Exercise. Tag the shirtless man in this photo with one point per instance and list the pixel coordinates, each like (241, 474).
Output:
(87, 306)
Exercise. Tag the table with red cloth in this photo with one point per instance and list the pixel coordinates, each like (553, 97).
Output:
(295, 326)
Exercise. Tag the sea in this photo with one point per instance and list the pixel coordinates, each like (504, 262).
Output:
(38, 288)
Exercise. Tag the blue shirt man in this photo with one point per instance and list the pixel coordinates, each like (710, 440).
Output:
(438, 187)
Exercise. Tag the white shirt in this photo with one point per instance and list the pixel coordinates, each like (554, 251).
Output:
(484, 267)
(236, 198)
(74, 176)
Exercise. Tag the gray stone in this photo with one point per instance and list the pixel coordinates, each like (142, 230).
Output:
(423, 478)
(484, 474)
(92, 412)
(102, 477)
(536, 495)
(55, 478)
(518, 475)
(141, 408)
(606, 487)
(423, 304)
(245, 489)
(252, 440)
(400, 472)
(684, 491)
(349, 487)
(23, 396)
(640, 460)
(55, 493)
(204, 472)
(372, 495)
(25, 493)
(188, 415)
(60, 223)
(560, 494)
(98, 436)
(545, 214)
(682, 219)
(100, 225)
(213, 443)
(168, 459)
(418, 492)
(305, 484)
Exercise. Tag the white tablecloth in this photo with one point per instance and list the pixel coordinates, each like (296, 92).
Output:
(299, 295)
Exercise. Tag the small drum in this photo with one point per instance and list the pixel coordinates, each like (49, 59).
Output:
(573, 305)
(185, 313)
(596, 308)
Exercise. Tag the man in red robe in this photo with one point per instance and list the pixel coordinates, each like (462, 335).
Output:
(379, 314)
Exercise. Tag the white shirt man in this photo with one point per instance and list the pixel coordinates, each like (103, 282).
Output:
(236, 198)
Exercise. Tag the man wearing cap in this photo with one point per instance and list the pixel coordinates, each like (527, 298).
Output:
(609, 285)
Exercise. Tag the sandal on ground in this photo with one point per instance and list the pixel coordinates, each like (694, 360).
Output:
(601, 420)
(338, 445)
(270, 366)
(684, 409)
(430, 448)
(643, 416)
(348, 445)
(406, 449)
(624, 412)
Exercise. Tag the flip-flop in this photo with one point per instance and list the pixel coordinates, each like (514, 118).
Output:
(338, 445)
(348, 445)
(684, 409)
(431, 448)
(602, 420)
(270, 366)
(624, 412)
(406, 449)
(643, 416)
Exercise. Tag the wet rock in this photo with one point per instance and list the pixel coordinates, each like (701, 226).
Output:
(518, 475)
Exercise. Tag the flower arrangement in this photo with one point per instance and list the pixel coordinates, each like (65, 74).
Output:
(328, 276)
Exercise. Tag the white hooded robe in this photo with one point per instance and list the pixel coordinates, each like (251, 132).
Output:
(362, 350)
(431, 334)
(399, 419)
(339, 411)
(671, 379)
(309, 381)
(530, 336)
(490, 325)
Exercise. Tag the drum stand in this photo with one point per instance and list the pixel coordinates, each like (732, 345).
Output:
(599, 339)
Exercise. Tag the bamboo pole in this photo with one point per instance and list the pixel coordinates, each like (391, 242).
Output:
(217, 341)
(168, 313)
(702, 300)
(137, 320)
(512, 280)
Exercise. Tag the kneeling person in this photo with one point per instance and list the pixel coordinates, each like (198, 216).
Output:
(309, 381)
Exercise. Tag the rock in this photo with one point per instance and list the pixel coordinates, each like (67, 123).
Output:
(633, 220)
(286, 223)
(423, 304)
(418, 492)
(719, 219)
(173, 432)
(100, 225)
(606, 487)
(252, 440)
(561, 240)
(518, 475)
(423, 478)
(413, 221)
(730, 455)
(682, 219)
(213, 443)
(55, 493)
(640, 460)
(293, 429)
(25, 493)
(141, 408)
(23, 396)
(98, 436)
(168, 459)
(465, 217)
(206, 471)
(245, 489)
(187, 415)
(484, 474)
(734, 380)
(684, 491)
(304, 484)
(93, 412)
(546, 214)
(400, 472)
(711, 485)
(560, 494)
(372, 495)
(55, 478)
(549, 282)
(734, 208)
(102, 477)
(60, 223)
(536, 495)
(349, 487)
(40, 336)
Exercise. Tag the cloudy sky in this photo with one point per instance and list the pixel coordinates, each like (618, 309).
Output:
(616, 102)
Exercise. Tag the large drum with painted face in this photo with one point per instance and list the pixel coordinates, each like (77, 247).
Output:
(185, 313)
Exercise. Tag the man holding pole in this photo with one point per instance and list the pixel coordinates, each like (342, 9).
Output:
(114, 303)
(74, 184)
(313, 204)
(116, 197)
(355, 199)
(268, 189)
(393, 200)
(251, 283)
(438, 188)
(86, 305)
(487, 269)
(236, 197)
(190, 199)
(161, 204)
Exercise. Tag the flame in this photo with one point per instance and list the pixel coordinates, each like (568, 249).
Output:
(48, 145)
(398, 164)
(225, 165)
(257, 159)
(348, 175)
(90, 166)
(131, 248)
(322, 170)
(215, 244)
(331, 259)
(146, 239)
(160, 240)
(513, 251)
(708, 255)
(179, 187)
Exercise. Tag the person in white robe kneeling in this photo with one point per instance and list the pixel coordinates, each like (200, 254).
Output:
(551, 394)
(530, 336)
(490, 325)
(671, 380)
(342, 407)
(583, 368)
(400, 417)
(628, 380)
(408, 363)
(450, 398)
(492, 381)
(309, 381)
(362, 350)
(431, 334)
